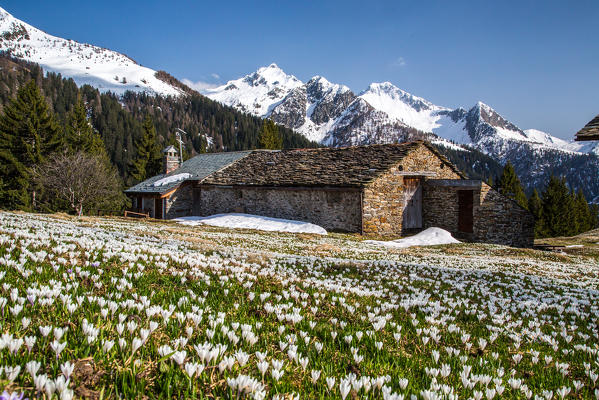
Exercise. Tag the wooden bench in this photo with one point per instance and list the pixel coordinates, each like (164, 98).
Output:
(135, 214)
(549, 247)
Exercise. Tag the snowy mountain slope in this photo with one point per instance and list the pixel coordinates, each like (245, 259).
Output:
(577, 147)
(104, 69)
(403, 106)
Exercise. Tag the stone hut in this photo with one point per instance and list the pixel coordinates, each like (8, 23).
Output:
(379, 190)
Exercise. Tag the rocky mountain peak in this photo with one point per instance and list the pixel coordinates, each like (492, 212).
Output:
(485, 114)
(319, 88)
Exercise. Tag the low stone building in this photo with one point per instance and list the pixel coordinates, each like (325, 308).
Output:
(171, 194)
(378, 190)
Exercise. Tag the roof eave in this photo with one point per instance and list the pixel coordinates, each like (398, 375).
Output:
(586, 138)
(166, 189)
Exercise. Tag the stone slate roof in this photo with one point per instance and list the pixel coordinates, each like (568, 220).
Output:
(199, 167)
(590, 131)
(345, 167)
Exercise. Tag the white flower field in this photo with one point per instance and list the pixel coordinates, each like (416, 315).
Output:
(112, 308)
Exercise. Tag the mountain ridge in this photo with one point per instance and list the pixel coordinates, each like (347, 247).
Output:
(398, 104)
(384, 113)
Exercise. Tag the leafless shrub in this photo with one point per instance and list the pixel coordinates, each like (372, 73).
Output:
(84, 181)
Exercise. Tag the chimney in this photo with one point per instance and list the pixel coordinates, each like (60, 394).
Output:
(171, 160)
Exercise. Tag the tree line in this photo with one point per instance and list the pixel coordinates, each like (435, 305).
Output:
(558, 210)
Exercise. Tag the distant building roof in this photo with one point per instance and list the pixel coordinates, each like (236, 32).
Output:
(590, 131)
(347, 167)
(198, 168)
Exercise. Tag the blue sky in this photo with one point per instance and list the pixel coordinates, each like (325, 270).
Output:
(536, 63)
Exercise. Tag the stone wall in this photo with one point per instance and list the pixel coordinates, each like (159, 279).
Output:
(500, 220)
(334, 209)
(497, 219)
(383, 200)
(180, 203)
(440, 207)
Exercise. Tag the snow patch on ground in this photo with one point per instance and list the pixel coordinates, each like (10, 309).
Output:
(172, 179)
(258, 222)
(428, 237)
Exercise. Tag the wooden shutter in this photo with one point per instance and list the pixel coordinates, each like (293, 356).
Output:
(412, 213)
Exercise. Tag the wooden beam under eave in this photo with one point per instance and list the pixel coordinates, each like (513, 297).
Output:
(168, 194)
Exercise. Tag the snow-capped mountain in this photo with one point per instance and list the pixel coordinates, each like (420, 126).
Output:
(333, 115)
(257, 93)
(104, 69)
(320, 108)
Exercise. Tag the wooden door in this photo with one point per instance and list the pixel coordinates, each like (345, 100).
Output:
(465, 210)
(412, 213)
(158, 208)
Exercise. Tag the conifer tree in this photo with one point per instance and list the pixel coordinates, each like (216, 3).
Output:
(582, 212)
(535, 206)
(148, 159)
(28, 134)
(79, 133)
(509, 185)
(270, 138)
(557, 212)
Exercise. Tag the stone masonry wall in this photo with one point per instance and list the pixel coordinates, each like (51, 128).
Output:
(440, 207)
(500, 220)
(333, 209)
(496, 219)
(180, 203)
(383, 200)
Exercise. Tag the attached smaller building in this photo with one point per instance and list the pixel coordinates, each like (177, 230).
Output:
(378, 190)
(171, 194)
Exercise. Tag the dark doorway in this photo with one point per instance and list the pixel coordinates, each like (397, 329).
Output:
(158, 208)
(465, 210)
(412, 213)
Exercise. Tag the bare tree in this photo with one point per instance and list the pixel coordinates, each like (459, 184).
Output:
(83, 180)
